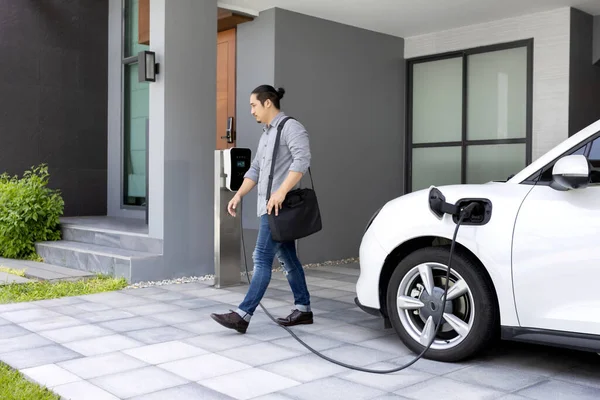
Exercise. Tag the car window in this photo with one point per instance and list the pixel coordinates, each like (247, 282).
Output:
(594, 159)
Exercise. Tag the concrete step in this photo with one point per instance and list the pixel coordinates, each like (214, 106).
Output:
(92, 257)
(111, 238)
(45, 272)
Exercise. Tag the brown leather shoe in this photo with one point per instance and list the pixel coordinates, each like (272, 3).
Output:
(231, 320)
(297, 317)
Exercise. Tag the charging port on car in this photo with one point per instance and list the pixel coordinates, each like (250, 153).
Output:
(480, 215)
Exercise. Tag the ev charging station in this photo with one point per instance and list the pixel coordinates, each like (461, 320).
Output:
(230, 167)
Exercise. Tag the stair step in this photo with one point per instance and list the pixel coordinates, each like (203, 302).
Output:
(91, 257)
(111, 238)
(43, 271)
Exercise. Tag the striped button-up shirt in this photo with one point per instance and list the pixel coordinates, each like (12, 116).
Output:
(293, 155)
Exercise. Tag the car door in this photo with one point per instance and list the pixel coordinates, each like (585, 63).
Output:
(556, 254)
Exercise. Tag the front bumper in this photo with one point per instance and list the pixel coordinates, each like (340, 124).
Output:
(368, 310)
(372, 258)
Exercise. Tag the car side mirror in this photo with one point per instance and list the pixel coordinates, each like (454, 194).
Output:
(571, 172)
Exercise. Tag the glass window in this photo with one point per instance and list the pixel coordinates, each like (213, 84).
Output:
(490, 131)
(494, 162)
(437, 101)
(497, 95)
(435, 166)
(135, 112)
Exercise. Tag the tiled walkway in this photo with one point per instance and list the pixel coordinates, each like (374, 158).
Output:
(160, 343)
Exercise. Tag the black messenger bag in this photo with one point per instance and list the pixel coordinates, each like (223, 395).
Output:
(299, 215)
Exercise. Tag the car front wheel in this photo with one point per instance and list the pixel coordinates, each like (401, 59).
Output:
(414, 300)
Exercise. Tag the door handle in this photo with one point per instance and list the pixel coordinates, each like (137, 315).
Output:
(230, 132)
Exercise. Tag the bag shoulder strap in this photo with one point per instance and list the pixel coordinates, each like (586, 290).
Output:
(277, 140)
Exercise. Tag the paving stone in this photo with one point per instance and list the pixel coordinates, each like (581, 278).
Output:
(191, 391)
(195, 303)
(103, 345)
(105, 364)
(131, 324)
(76, 333)
(50, 375)
(17, 306)
(304, 368)
(351, 333)
(500, 378)
(221, 341)
(432, 367)
(63, 301)
(35, 314)
(260, 354)
(204, 367)
(138, 382)
(318, 343)
(170, 296)
(102, 316)
(30, 358)
(91, 307)
(249, 383)
(29, 341)
(63, 321)
(11, 331)
(448, 389)
(160, 334)
(386, 382)
(357, 355)
(179, 317)
(116, 299)
(143, 292)
(83, 390)
(552, 389)
(165, 352)
(333, 388)
(152, 308)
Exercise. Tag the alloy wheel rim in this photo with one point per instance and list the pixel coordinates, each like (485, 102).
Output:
(418, 303)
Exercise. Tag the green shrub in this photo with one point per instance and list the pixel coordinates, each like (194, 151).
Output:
(29, 213)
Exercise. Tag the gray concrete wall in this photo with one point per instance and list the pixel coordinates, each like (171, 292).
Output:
(181, 148)
(596, 51)
(53, 96)
(584, 76)
(255, 66)
(346, 85)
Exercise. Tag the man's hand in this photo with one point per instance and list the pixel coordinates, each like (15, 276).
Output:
(233, 205)
(275, 201)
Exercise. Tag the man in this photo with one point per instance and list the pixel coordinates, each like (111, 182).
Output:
(292, 162)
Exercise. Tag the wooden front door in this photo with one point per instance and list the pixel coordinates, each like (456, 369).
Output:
(226, 89)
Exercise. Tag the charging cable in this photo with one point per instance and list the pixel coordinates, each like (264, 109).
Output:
(464, 213)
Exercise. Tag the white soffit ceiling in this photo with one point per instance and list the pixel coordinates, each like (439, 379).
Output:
(407, 18)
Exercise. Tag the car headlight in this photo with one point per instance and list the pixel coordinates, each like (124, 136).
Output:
(371, 220)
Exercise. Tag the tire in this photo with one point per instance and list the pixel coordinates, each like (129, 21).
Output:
(473, 312)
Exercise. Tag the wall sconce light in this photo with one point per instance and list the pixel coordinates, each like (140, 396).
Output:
(147, 66)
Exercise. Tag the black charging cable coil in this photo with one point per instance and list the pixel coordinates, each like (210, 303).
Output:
(464, 213)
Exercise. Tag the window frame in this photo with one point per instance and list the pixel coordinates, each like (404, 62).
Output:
(464, 143)
(125, 62)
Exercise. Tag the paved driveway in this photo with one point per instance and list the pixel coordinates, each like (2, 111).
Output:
(159, 343)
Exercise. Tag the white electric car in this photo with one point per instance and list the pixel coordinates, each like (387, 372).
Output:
(524, 264)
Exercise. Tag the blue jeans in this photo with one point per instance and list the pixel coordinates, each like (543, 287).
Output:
(264, 253)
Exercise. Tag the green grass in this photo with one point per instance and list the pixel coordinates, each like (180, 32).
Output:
(18, 272)
(31, 291)
(14, 386)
